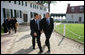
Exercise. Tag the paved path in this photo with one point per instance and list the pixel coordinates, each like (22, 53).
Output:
(21, 43)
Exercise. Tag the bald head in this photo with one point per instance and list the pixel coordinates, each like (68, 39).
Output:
(8, 18)
(47, 15)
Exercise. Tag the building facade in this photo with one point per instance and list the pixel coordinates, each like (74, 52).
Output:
(75, 14)
(23, 10)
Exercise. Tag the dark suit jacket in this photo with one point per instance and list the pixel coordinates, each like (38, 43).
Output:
(47, 28)
(34, 27)
(8, 23)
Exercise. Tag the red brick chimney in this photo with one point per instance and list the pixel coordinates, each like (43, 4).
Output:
(68, 8)
(68, 5)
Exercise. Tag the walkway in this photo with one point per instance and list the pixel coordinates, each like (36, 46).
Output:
(21, 43)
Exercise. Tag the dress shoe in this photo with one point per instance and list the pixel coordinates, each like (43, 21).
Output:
(40, 51)
(48, 51)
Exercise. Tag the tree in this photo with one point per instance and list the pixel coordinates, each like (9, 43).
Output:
(47, 2)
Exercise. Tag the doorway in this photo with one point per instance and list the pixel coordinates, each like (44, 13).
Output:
(80, 19)
(25, 17)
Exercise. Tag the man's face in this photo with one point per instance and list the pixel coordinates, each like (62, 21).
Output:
(8, 18)
(47, 15)
(36, 17)
(39, 16)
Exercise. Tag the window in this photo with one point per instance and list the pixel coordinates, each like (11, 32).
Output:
(14, 2)
(37, 6)
(19, 2)
(81, 8)
(4, 13)
(9, 1)
(44, 9)
(22, 3)
(72, 16)
(14, 13)
(11, 13)
(7, 12)
(30, 14)
(36, 1)
(39, 2)
(31, 5)
(17, 13)
(25, 3)
(80, 19)
(43, 15)
(20, 14)
(40, 8)
(72, 9)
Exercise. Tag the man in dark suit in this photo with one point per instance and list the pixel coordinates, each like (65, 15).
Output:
(14, 22)
(9, 24)
(47, 26)
(36, 31)
(5, 26)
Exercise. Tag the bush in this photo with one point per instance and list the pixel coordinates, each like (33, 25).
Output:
(70, 22)
(57, 21)
(76, 21)
(64, 21)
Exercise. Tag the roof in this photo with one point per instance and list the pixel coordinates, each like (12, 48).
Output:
(75, 9)
(55, 14)
(38, 4)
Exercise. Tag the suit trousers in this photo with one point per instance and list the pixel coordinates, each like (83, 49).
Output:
(38, 40)
(47, 42)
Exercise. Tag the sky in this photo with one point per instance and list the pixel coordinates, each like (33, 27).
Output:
(61, 6)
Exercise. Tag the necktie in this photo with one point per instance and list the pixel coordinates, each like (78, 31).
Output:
(48, 21)
(38, 24)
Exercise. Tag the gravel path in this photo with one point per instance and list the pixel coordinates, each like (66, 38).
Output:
(21, 43)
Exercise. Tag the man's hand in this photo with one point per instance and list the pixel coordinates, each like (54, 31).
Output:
(35, 34)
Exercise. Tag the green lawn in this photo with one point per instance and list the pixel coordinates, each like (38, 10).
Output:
(75, 28)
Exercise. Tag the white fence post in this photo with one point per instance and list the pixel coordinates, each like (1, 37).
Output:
(64, 30)
(63, 35)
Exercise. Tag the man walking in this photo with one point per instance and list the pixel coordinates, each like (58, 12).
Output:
(36, 31)
(9, 25)
(47, 26)
(14, 24)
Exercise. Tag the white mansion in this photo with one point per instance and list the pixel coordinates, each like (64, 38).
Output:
(23, 10)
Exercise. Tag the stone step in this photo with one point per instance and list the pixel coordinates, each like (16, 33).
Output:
(25, 23)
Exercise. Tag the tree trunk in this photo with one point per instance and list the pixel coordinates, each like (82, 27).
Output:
(49, 6)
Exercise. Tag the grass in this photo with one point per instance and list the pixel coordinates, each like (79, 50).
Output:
(75, 28)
